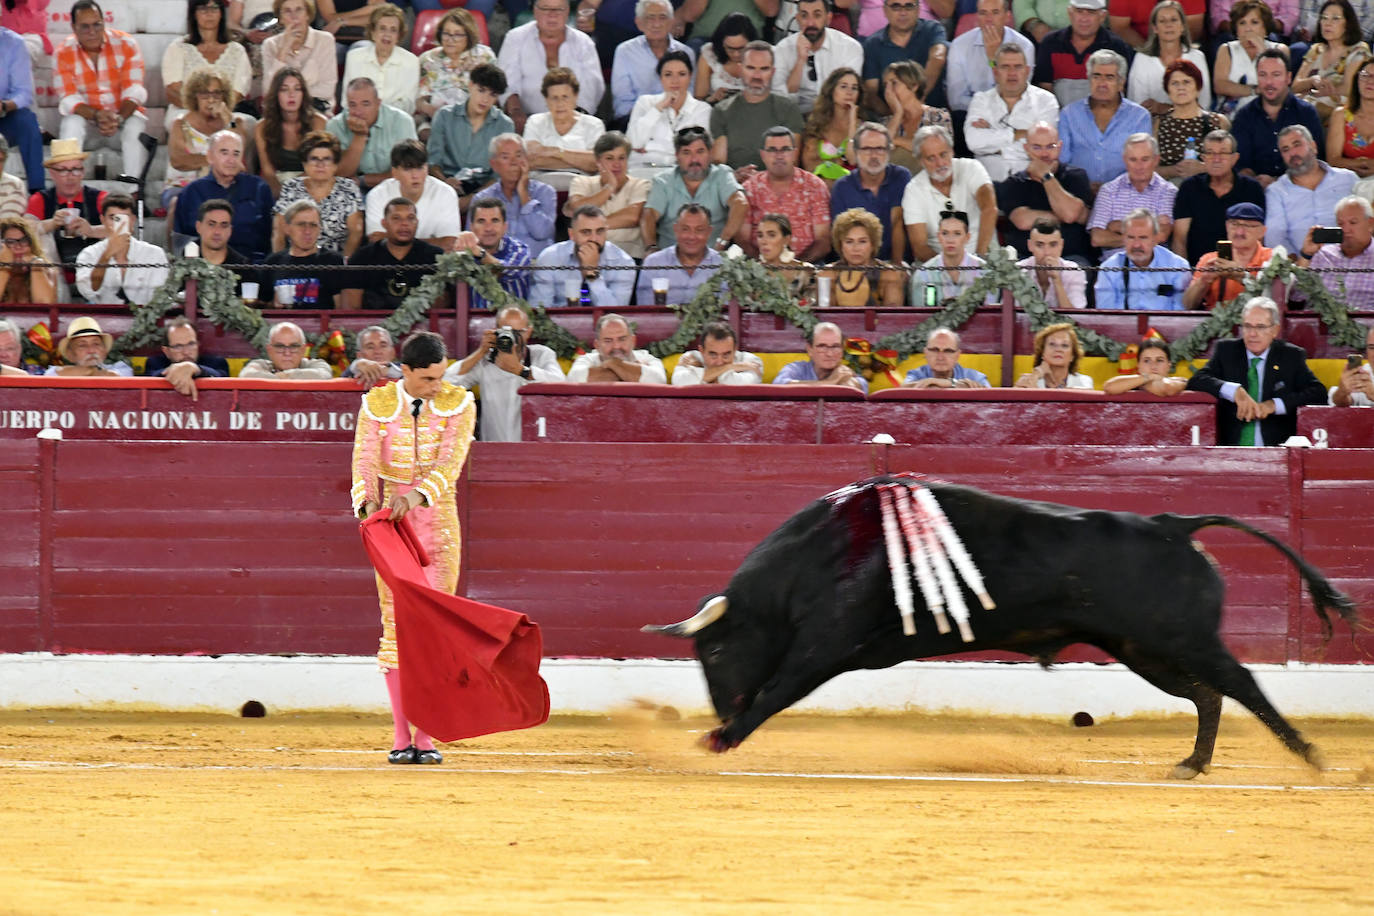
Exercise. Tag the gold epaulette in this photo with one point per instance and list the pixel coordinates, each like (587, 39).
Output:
(382, 404)
(451, 400)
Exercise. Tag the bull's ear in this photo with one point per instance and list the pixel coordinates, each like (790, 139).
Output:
(710, 612)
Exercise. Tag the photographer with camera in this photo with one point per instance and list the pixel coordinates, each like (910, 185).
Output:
(1346, 259)
(503, 362)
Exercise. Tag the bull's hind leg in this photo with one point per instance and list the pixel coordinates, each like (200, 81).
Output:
(1218, 668)
(1173, 681)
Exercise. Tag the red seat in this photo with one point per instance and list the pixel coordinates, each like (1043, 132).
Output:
(427, 22)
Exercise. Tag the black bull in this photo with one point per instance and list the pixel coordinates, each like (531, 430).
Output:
(815, 599)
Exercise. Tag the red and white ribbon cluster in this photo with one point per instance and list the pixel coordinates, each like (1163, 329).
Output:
(918, 534)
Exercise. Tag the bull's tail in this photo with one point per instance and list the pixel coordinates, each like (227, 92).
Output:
(1325, 596)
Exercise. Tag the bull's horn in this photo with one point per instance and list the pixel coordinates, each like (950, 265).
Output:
(710, 612)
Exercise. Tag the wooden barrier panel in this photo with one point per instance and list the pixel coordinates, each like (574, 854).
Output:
(1005, 416)
(225, 410)
(1345, 427)
(226, 547)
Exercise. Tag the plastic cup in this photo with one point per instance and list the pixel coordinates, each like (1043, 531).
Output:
(250, 292)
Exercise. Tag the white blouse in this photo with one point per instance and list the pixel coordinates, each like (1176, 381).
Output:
(398, 80)
(1147, 79)
(652, 129)
(582, 136)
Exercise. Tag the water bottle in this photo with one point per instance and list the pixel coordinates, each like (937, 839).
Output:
(1190, 151)
(584, 295)
(932, 296)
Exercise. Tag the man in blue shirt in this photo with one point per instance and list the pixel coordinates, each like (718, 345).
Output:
(1133, 279)
(1305, 196)
(698, 262)
(18, 123)
(906, 37)
(1092, 149)
(250, 196)
(1257, 123)
(942, 369)
(876, 186)
(635, 70)
(531, 205)
(826, 365)
(588, 251)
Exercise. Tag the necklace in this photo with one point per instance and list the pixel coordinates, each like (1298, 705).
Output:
(839, 281)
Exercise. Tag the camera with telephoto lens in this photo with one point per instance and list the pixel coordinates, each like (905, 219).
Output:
(507, 341)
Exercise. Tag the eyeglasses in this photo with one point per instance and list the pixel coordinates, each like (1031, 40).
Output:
(828, 346)
(1212, 154)
(286, 348)
(1333, 19)
(452, 36)
(872, 149)
(17, 242)
(947, 351)
(1366, 75)
(69, 170)
(1255, 328)
(320, 160)
(212, 94)
(96, 26)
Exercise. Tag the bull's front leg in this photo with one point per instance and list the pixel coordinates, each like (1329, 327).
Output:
(789, 685)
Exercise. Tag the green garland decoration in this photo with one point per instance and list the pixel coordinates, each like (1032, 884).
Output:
(214, 294)
(755, 287)
(999, 273)
(1331, 308)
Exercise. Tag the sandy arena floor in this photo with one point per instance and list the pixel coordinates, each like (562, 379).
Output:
(112, 813)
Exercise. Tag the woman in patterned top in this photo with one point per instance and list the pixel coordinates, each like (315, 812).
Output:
(339, 200)
(1327, 75)
(446, 70)
(1181, 130)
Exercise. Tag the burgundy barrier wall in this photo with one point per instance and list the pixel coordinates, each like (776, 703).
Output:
(237, 410)
(808, 414)
(1345, 427)
(200, 547)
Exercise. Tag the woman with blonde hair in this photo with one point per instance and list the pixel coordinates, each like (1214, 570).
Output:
(858, 279)
(1057, 353)
(25, 275)
(393, 69)
(188, 138)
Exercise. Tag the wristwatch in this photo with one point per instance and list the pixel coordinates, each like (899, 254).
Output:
(527, 374)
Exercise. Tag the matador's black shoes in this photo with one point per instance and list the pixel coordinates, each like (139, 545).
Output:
(403, 755)
(430, 756)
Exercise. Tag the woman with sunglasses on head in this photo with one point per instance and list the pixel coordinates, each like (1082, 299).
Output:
(720, 68)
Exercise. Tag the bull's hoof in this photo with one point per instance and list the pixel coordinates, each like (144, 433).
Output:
(1315, 758)
(1186, 770)
(716, 742)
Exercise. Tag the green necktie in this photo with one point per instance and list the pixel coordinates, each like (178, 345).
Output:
(1247, 434)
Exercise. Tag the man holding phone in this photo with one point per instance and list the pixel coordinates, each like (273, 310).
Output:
(1220, 274)
(1356, 388)
(1342, 260)
(120, 268)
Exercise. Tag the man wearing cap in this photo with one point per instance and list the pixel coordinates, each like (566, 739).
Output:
(84, 350)
(1061, 59)
(67, 215)
(1219, 279)
(99, 77)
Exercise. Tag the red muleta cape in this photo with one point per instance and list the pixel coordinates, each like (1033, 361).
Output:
(468, 668)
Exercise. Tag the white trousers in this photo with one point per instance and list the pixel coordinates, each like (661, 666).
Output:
(75, 127)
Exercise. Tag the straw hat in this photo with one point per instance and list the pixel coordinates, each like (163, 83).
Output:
(65, 151)
(82, 327)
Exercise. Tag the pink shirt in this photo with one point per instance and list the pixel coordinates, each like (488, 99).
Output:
(29, 17)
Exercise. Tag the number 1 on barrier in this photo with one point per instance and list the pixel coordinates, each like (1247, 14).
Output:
(539, 427)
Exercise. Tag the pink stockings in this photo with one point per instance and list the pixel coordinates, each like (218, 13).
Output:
(398, 716)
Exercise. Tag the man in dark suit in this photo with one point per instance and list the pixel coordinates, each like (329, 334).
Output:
(1258, 380)
(180, 361)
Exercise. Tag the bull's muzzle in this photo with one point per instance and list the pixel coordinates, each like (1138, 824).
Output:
(710, 612)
